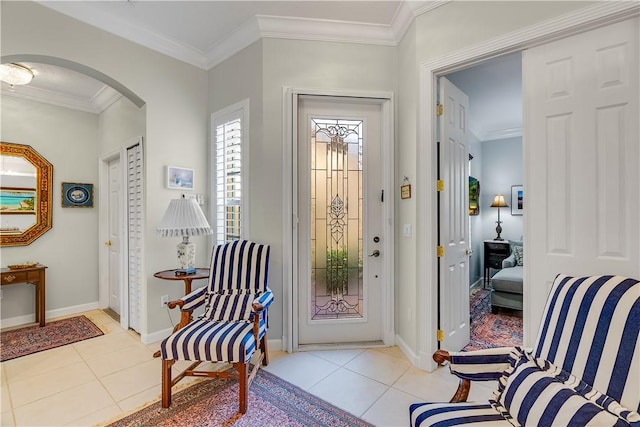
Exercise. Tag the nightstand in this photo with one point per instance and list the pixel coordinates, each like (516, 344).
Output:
(495, 251)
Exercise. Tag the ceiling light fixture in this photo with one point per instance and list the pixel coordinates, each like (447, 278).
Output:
(15, 74)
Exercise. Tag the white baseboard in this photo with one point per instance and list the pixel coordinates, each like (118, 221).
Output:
(413, 358)
(477, 284)
(50, 314)
(155, 336)
(275, 345)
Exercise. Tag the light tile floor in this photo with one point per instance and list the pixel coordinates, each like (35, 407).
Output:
(97, 380)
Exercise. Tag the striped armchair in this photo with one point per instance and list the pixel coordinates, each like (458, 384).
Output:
(583, 371)
(234, 323)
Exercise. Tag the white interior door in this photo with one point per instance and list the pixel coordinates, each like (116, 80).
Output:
(114, 242)
(454, 217)
(340, 230)
(582, 151)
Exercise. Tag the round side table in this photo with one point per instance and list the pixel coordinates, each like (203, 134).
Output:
(185, 316)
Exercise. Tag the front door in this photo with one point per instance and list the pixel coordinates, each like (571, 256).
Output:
(340, 230)
(454, 219)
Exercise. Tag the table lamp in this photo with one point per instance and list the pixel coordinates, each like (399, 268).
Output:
(498, 202)
(184, 218)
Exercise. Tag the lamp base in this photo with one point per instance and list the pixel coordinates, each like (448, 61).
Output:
(186, 254)
(498, 231)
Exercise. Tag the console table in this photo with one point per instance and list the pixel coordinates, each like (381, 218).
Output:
(33, 275)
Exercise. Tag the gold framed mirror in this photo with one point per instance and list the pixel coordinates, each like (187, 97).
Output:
(26, 179)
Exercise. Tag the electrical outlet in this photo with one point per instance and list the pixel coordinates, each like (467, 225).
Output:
(164, 300)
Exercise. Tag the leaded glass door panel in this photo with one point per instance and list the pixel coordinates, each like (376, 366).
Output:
(340, 220)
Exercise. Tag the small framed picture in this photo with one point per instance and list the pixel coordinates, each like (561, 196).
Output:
(77, 195)
(517, 200)
(405, 191)
(179, 178)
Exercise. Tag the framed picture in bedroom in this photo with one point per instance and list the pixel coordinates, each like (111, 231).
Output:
(517, 200)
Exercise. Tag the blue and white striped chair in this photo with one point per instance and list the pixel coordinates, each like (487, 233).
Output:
(584, 369)
(234, 323)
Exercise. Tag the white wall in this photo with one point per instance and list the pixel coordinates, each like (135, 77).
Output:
(176, 118)
(439, 32)
(406, 165)
(68, 139)
(120, 124)
(178, 112)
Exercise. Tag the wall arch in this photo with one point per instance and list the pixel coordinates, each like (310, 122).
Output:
(80, 68)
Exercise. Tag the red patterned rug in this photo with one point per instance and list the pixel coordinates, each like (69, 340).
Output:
(489, 330)
(272, 402)
(32, 339)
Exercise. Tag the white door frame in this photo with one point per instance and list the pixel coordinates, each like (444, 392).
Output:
(290, 205)
(103, 233)
(426, 227)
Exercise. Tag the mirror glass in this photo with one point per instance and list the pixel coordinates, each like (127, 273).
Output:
(25, 194)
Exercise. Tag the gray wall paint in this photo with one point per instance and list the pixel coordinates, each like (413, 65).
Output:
(68, 139)
(180, 99)
(477, 171)
(176, 127)
(448, 28)
(502, 168)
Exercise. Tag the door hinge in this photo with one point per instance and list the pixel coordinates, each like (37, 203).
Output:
(439, 109)
(440, 185)
(440, 251)
(440, 334)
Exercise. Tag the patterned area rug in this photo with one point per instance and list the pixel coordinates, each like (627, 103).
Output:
(272, 402)
(32, 339)
(489, 330)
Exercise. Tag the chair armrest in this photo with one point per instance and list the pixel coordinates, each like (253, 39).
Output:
(191, 301)
(483, 365)
(263, 301)
(509, 261)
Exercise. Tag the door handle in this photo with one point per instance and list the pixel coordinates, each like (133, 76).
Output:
(468, 251)
(108, 243)
(375, 253)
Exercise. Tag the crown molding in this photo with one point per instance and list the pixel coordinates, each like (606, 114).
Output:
(492, 135)
(102, 100)
(112, 24)
(252, 30)
(600, 14)
(243, 36)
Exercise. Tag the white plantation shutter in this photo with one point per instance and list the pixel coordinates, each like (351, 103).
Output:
(135, 225)
(229, 134)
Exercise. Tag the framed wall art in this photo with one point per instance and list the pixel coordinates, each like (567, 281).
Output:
(77, 195)
(517, 200)
(179, 178)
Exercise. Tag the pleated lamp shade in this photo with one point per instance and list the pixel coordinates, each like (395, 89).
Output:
(184, 218)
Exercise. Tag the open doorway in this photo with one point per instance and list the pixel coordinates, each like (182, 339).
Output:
(494, 88)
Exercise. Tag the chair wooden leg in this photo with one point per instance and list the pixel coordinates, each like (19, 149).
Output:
(166, 382)
(244, 392)
(264, 350)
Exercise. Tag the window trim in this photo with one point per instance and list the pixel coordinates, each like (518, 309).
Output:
(241, 110)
